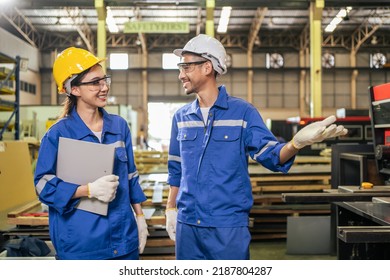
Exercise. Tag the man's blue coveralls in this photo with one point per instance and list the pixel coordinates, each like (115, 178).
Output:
(209, 162)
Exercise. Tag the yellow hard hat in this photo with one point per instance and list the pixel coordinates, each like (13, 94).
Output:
(72, 61)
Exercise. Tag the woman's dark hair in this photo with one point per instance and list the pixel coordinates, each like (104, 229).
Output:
(71, 100)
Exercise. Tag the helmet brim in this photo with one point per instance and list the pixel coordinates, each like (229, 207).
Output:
(178, 52)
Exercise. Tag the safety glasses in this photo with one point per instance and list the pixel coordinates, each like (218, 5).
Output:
(98, 84)
(188, 67)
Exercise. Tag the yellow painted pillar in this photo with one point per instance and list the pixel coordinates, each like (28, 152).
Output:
(145, 90)
(302, 82)
(210, 5)
(54, 91)
(101, 30)
(250, 76)
(315, 58)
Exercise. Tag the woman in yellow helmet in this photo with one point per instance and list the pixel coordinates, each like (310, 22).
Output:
(76, 233)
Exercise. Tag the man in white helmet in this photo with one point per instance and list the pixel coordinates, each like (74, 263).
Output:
(210, 191)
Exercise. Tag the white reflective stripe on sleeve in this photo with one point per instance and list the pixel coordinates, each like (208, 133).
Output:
(174, 158)
(269, 144)
(118, 144)
(41, 183)
(133, 175)
(190, 124)
(230, 123)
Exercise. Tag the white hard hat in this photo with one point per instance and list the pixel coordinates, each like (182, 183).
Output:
(209, 48)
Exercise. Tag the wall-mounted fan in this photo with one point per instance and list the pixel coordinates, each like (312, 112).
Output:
(275, 60)
(328, 60)
(377, 60)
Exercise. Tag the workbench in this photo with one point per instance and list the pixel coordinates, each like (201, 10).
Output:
(363, 230)
(362, 219)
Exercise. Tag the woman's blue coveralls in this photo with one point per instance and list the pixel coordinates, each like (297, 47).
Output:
(78, 234)
(209, 164)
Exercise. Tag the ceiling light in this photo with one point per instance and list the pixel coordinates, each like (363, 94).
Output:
(110, 21)
(78, 42)
(257, 41)
(374, 40)
(342, 14)
(224, 20)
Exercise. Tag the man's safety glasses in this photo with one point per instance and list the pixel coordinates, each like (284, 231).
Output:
(188, 67)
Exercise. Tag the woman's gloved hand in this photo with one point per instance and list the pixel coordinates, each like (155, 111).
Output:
(317, 132)
(104, 188)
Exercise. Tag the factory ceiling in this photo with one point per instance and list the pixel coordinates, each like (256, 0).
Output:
(256, 25)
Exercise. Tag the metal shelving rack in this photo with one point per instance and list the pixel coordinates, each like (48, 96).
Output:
(5, 89)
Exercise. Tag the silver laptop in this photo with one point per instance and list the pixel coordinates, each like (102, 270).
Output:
(82, 162)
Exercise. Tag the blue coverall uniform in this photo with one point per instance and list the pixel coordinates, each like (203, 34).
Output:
(78, 234)
(209, 164)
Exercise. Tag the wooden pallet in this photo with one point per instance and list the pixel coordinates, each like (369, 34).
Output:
(158, 246)
(30, 214)
(269, 212)
(149, 161)
(30, 221)
(270, 221)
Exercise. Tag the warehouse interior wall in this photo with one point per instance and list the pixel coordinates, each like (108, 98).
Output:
(13, 46)
(276, 91)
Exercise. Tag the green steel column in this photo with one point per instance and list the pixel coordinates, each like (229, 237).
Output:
(315, 58)
(101, 30)
(210, 5)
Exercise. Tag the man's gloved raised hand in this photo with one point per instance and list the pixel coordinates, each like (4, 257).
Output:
(142, 232)
(171, 218)
(317, 132)
(104, 188)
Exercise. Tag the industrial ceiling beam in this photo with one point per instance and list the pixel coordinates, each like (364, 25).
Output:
(199, 22)
(358, 38)
(365, 31)
(218, 3)
(254, 30)
(82, 27)
(255, 27)
(160, 42)
(141, 36)
(22, 25)
(296, 4)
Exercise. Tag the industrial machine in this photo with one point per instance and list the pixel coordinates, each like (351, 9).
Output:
(360, 194)
(380, 122)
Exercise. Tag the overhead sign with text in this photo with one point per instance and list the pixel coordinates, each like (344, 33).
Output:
(156, 27)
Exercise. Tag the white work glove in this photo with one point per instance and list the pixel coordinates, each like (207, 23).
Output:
(171, 218)
(143, 232)
(317, 132)
(104, 188)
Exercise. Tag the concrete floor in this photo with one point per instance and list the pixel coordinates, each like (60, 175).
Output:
(276, 250)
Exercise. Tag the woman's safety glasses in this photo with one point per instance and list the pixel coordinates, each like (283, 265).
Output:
(98, 84)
